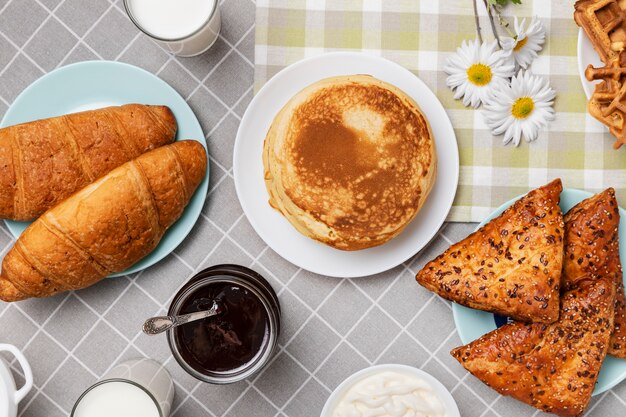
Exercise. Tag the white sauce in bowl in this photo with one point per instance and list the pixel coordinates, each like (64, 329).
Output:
(390, 394)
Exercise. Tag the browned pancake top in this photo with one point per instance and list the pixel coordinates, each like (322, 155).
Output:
(358, 152)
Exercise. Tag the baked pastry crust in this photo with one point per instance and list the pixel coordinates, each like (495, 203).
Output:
(106, 227)
(349, 161)
(607, 102)
(592, 250)
(604, 22)
(510, 266)
(553, 367)
(45, 161)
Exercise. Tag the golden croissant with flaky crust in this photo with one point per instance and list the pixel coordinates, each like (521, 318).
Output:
(510, 266)
(45, 161)
(105, 227)
(553, 367)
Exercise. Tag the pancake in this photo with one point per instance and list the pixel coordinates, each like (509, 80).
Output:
(349, 161)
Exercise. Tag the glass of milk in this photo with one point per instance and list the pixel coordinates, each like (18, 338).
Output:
(136, 388)
(183, 27)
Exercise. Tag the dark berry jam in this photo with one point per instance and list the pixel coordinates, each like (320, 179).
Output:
(229, 340)
(237, 342)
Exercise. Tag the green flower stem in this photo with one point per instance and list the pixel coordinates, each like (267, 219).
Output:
(478, 31)
(493, 24)
(504, 23)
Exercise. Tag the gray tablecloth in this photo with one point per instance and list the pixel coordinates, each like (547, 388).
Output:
(331, 327)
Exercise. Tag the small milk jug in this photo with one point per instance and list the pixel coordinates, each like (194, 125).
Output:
(10, 396)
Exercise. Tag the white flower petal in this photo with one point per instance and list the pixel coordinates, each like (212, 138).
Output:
(498, 115)
(456, 79)
(474, 52)
(535, 37)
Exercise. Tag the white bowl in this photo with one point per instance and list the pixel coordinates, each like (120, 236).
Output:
(440, 390)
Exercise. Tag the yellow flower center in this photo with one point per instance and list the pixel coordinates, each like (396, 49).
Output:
(520, 44)
(522, 107)
(479, 74)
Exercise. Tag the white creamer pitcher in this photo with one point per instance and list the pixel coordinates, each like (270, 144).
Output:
(10, 396)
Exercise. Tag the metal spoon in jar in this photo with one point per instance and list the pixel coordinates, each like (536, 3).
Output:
(159, 324)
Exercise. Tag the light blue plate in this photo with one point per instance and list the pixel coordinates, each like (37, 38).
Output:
(93, 84)
(472, 324)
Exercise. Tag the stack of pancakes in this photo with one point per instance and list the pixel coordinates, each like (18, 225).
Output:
(349, 161)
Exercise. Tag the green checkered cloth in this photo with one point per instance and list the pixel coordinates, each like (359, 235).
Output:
(420, 35)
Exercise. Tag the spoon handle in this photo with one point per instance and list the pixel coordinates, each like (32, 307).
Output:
(156, 325)
(198, 315)
(159, 324)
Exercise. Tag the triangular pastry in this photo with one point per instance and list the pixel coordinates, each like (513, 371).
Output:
(510, 266)
(592, 249)
(553, 367)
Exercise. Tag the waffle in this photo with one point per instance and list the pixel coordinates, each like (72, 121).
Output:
(604, 22)
(608, 101)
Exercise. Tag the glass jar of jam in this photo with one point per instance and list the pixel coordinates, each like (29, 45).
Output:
(237, 342)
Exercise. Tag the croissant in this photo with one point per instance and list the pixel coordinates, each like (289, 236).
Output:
(105, 227)
(45, 161)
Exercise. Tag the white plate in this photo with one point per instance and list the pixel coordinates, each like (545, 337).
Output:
(587, 55)
(442, 392)
(276, 231)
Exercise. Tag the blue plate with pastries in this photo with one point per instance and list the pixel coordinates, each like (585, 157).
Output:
(472, 324)
(95, 84)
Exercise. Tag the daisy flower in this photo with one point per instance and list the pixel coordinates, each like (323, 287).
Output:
(521, 108)
(476, 70)
(527, 42)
